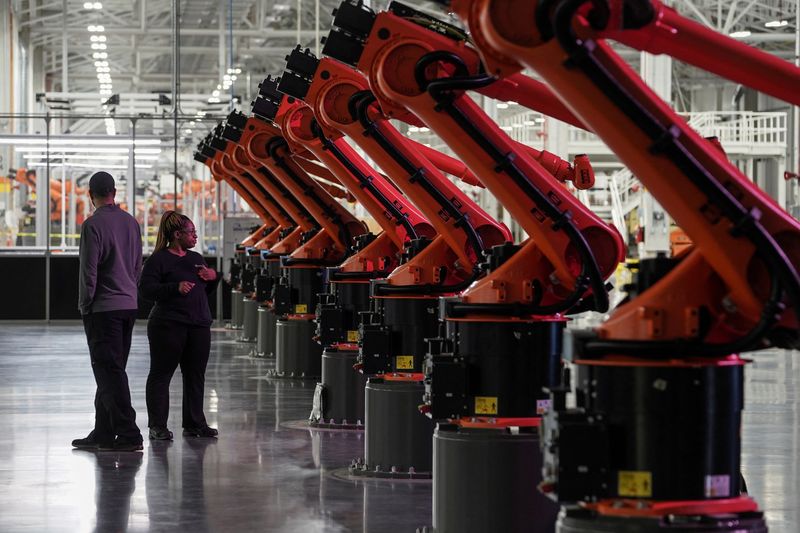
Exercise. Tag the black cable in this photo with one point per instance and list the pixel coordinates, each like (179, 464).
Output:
(417, 175)
(276, 143)
(441, 90)
(365, 181)
(358, 105)
(288, 196)
(666, 140)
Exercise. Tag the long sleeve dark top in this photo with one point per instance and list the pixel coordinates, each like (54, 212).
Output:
(162, 273)
(110, 261)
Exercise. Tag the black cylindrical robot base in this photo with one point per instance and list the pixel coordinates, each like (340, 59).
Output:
(236, 309)
(398, 438)
(250, 321)
(339, 398)
(265, 343)
(577, 520)
(485, 480)
(297, 355)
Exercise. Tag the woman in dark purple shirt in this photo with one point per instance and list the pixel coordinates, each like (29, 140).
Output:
(179, 328)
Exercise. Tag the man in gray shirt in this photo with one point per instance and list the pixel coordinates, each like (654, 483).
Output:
(110, 263)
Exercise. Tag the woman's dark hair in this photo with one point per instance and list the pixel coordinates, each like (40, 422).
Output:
(171, 221)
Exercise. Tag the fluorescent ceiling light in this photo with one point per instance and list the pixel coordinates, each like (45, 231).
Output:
(502, 105)
(86, 165)
(776, 23)
(72, 149)
(107, 157)
(84, 141)
(740, 34)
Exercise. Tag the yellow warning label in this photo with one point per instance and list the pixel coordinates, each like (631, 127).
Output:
(404, 362)
(352, 335)
(485, 405)
(301, 309)
(636, 484)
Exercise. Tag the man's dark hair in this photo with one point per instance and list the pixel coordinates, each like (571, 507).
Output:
(101, 184)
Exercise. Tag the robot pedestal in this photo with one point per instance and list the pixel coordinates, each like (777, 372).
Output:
(339, 397)
(485, 480)
(397, 442)
(265, 332)
(578, 520)
(249, 320)
(237, 309)
(297, 355)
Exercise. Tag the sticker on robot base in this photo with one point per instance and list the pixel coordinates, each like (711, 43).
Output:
(718, 486)
(485, 405)
(635, 484)
(352, 335)
(300, 309)
(404, 362)
(542, 406)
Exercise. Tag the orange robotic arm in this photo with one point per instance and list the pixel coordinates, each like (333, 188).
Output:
(336, 91)
(264, 143)
(730, 291)
(572, 250)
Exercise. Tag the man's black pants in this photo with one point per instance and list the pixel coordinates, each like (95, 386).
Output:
(109, 338)
(173, 344)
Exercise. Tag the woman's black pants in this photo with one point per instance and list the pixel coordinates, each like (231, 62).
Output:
(173, 344)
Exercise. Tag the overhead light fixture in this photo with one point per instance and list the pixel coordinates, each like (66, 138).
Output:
(95, 29)
(91, 157)
(100, 55)
(82, 148)
(502, 105)
(740, 34)
(215, 93)
(98, 46)
(82, 140)
(85, 165)
(776, 23)
(213, 100)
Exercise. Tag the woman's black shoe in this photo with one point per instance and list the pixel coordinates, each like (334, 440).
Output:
(160, 433)
(200, 432)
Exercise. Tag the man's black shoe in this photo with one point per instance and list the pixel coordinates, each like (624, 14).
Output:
(121, 446)
(89, 443)
(200, 432)
(160, 433)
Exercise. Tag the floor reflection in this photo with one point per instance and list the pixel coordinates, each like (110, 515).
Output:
(262, 474)
(115, 482)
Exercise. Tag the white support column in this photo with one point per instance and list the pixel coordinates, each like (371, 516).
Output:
(656, 71)
(64, 50)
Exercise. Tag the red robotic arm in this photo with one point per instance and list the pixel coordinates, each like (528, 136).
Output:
(572, 248)
(746, 246)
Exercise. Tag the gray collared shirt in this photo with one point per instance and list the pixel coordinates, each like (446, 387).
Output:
(111, 260)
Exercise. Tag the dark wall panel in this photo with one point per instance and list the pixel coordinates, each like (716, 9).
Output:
(64, 288)
(22, 293)
(22, 296)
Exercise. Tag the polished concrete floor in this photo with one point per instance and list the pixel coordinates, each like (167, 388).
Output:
(261, 475)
